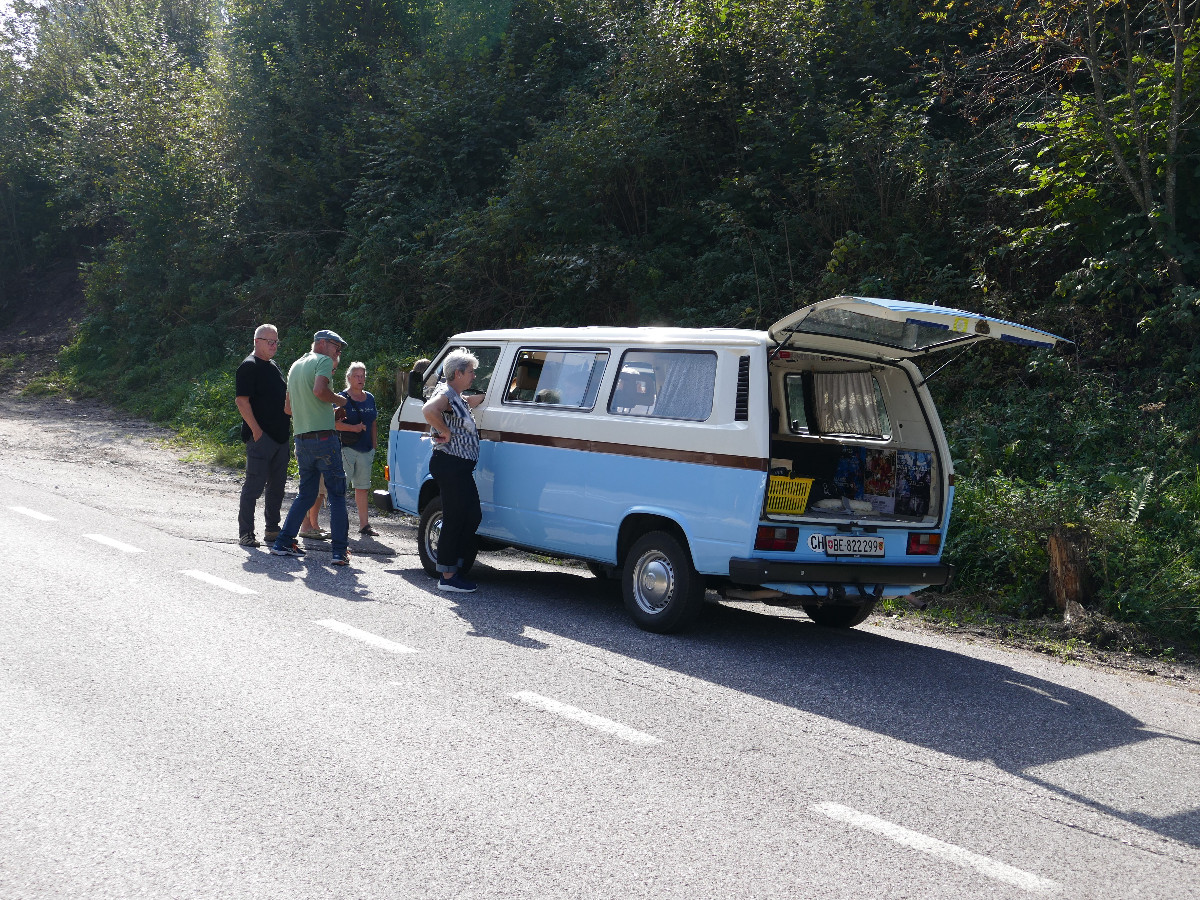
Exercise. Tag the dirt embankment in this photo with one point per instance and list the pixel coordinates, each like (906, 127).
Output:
(38, 316)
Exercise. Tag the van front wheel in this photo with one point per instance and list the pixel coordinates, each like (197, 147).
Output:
(429, 532)
(663, 591)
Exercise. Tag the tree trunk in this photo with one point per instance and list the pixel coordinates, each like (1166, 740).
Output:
(1068, 565)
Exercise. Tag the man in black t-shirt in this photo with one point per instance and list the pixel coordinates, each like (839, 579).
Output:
(266, 429)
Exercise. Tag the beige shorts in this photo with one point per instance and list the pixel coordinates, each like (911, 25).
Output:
(358, 468)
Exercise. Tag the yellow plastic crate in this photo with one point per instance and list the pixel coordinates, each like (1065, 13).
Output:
(787, 496)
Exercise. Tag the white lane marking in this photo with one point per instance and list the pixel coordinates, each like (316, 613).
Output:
(365, 636)
(32, 513)
(219, 582)
(624, 732)
(113, 542)
(1027, 881)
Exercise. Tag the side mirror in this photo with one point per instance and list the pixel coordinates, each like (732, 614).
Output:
(416, 384)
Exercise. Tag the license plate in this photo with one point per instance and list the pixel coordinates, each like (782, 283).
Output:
(853, 545)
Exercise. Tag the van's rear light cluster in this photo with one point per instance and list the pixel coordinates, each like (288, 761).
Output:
(770, 538)
(387, 473)
(924, 544)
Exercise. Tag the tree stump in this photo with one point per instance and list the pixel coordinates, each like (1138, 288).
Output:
(1068, 566)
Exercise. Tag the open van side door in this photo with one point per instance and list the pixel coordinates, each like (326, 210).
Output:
(898, 328)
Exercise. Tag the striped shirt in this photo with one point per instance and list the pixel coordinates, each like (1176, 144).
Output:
(464, 434)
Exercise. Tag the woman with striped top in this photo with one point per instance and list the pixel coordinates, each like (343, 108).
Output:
(455, 451)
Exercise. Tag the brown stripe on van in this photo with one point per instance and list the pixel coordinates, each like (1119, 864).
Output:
(722, 460)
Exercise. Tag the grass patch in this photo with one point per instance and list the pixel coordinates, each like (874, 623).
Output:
(51, 385)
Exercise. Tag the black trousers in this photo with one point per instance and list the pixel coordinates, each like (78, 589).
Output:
(266, 467)
(460, 507)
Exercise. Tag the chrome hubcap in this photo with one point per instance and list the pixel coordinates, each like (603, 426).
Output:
(433, 536)
(654, 582)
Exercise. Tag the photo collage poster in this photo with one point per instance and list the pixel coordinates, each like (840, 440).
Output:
(914, 477)
(894, 482)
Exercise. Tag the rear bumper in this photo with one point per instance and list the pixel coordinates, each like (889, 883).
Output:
(764, 571)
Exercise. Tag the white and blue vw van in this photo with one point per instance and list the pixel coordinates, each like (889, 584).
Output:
(802, 465)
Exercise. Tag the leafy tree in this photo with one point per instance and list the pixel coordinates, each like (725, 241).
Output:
(140, 157)
(1111, 89)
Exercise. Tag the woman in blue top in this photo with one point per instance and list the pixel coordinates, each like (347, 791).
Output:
(360, 417)
(452, 465)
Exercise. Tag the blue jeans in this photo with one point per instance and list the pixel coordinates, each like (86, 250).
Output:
(316, 458)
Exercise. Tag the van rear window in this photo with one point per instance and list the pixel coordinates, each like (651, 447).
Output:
(840, 403)
(665, 384)
(569, 378)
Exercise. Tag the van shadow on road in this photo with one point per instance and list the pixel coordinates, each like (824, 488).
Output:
(938, 699)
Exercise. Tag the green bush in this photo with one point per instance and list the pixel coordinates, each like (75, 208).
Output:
(1047, 446)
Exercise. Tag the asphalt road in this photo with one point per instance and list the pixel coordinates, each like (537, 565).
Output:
(182, 717)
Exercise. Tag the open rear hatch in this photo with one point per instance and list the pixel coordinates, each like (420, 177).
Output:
(896, 329)
(860, 445)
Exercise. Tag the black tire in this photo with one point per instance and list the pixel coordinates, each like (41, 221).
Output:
(663, 592)
(428, 531)
(839, 616)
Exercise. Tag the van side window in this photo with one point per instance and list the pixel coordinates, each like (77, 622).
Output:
(665, 384)
(569, 378)
(842, 403)
(487, 356)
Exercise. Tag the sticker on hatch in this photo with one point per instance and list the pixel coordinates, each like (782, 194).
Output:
(846, 544)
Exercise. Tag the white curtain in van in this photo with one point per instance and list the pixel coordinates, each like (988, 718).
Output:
(846, 404)
(687, 385)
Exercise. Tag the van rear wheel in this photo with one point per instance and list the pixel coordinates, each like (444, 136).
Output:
(663, 591)
(429, 532)
(839, 616)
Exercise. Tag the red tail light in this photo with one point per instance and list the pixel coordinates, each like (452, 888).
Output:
(387, 473)
(924, 544)
(770, 538)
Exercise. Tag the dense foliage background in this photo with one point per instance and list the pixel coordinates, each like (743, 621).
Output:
(401, 171)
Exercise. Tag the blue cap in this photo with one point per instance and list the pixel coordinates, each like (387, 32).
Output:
(326, 335)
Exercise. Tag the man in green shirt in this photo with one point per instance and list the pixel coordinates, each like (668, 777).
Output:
(310, 401)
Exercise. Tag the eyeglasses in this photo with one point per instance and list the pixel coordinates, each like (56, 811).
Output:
(268, 341)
